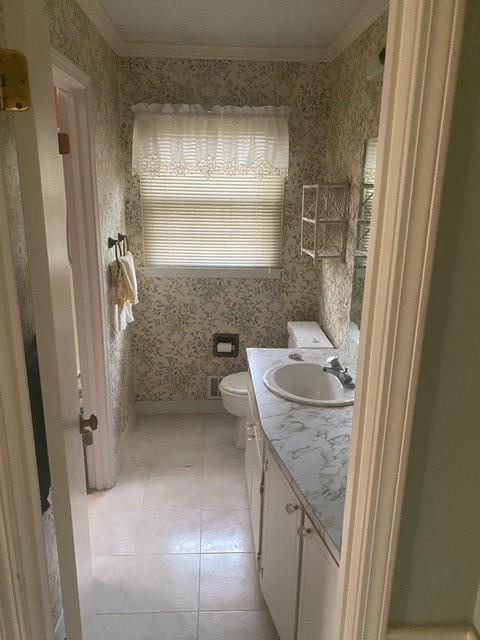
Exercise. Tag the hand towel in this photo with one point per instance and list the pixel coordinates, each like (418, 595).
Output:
(127, 265)
(120, 296)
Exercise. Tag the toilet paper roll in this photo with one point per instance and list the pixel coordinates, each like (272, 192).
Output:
(224, 347)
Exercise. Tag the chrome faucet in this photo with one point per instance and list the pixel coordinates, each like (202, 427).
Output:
(333, 366)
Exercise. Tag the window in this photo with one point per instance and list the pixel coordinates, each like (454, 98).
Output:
(212, 186)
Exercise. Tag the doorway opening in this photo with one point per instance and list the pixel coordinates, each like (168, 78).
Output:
(73, 106)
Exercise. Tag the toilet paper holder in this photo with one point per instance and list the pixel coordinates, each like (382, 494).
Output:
(225, 345)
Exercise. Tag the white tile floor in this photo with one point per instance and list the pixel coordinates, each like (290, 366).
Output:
(171, 542)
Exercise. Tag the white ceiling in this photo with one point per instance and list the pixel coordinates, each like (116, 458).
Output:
(248, 29)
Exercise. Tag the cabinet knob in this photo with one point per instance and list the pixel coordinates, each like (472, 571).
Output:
(291, 508)
(304, 531)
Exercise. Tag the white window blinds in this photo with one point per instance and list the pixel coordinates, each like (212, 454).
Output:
(212, 184)
(216, 221)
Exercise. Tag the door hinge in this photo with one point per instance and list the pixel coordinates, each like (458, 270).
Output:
(259, 562)
(262, 489)
(63, 143)
(14, 84)
(265, 464)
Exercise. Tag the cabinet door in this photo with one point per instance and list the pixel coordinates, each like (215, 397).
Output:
(318, 589)
(250, 458)
(280, 550)
(256, 501)
(254, 473)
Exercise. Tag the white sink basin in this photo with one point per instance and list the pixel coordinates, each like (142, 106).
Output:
(307, 383)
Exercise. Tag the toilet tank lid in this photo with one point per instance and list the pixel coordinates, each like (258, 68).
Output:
(308, 335)
(236, 383)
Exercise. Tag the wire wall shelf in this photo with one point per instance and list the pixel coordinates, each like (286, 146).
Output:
(324, 220)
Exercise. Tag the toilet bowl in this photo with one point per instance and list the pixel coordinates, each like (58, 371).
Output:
(234, 392)
(234, 388)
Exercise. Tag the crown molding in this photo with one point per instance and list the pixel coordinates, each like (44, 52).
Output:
(364, 18)
(208, 52)
(94, 10)
(102, 21)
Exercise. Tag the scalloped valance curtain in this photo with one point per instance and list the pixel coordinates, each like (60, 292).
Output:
(225, 140)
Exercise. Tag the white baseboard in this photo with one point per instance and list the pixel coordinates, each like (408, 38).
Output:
(179, 406)
(432, 633)
(123, 445)
(60, 632)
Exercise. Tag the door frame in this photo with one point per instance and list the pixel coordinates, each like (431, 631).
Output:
(423, 47)
(25, 611)
(417, 104)
(87, 268)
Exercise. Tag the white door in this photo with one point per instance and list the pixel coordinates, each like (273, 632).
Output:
(280, 550)
(43, 199)
(318, 589)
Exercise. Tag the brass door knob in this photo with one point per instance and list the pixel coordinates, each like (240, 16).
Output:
(88, 424)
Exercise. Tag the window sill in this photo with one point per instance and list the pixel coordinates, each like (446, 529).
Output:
(212, 272)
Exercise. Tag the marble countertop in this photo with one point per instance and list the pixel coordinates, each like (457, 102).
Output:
(311, 444)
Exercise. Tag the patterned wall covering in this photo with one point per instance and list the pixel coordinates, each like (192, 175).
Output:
(74, 36)
(176, 318)
(354, 117)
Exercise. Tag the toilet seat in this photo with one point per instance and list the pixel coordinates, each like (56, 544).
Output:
(235, 383)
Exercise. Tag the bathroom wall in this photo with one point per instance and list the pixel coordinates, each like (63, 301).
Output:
(353, 117)
(74, 36)
(176, 318)
(438, 561)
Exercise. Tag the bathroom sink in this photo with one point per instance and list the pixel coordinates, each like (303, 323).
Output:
(307, 383)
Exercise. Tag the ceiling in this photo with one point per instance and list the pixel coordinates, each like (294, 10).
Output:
(315, 30)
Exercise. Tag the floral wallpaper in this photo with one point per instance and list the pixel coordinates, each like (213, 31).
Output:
(74, 36)
(176, 318)
(354, 117)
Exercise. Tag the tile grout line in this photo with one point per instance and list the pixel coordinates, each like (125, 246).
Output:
(203, 508)
(202, 492)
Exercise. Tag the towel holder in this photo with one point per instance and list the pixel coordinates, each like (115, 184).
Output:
(120, 244)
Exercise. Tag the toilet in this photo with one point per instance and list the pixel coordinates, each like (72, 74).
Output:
(234, 392)
(307, 335)
(234, 387)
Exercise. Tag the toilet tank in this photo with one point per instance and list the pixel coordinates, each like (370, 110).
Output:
(307, 335)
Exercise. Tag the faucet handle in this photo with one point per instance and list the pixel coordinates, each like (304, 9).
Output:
(334, 363)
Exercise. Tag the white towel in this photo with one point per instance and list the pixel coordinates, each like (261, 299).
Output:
(123, 291)
(127, 265)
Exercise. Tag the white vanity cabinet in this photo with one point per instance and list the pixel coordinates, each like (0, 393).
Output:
(318, 588)
(282, 517)
(298, 575)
